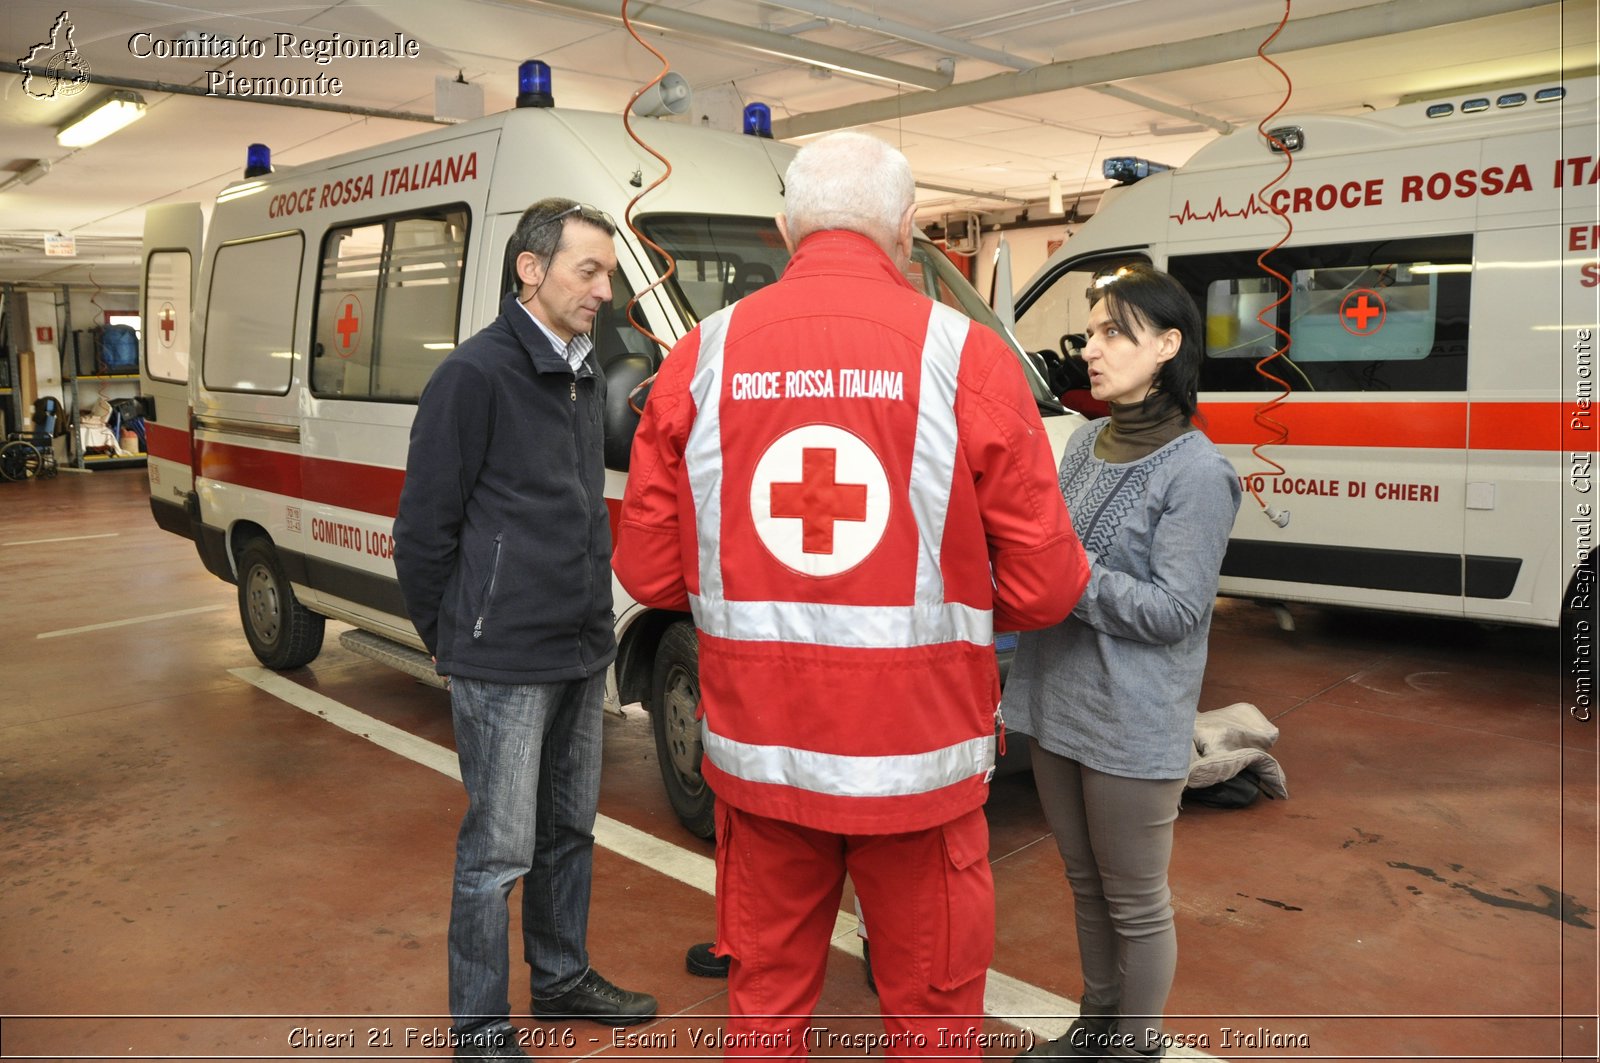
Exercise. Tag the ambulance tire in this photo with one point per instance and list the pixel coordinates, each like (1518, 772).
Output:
(282, 633)
(674, 703)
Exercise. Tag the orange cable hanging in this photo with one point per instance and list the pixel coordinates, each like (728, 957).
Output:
(627, 213)
(1280, 431)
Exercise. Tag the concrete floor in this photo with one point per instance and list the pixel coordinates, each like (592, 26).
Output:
(195, 867)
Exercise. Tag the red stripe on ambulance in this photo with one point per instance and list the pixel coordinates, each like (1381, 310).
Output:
(1530, 426)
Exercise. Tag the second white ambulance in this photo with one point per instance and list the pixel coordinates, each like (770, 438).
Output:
(1439, 296)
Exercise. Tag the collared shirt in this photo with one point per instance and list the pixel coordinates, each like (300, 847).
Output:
(574, 352)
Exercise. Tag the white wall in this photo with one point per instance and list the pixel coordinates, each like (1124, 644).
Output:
(1030, 249)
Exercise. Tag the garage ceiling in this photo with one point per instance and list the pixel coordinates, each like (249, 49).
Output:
(988, 99)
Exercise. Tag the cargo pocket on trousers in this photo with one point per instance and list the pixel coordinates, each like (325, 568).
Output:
(968, 919)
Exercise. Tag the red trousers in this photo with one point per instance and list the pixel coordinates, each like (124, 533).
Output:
(927, 898)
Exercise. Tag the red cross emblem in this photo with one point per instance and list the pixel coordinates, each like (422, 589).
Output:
(348, 325)
(1359, 308)
(168, 323)
(820, 499)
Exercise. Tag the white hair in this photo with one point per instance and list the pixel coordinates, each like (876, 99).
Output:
(848, 180)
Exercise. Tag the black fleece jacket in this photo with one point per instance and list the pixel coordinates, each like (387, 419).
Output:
(502, 543)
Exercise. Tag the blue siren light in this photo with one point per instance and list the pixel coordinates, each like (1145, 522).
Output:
(758, 120)
(1126, 169)
(533, 84)
(257, 160)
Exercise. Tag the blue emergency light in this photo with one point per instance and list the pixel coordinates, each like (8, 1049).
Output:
(533, 84)
(1126, 169)
(257, 160)
(758, 120)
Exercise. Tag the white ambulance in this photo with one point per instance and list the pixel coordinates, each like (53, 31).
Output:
(287, 350)
(1439, 295)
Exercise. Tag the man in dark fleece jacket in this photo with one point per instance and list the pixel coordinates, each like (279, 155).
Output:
(503, 551)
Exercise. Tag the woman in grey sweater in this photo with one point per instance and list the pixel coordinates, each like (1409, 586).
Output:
(1108, 697)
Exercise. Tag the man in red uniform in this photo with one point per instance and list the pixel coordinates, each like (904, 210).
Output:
(850, 486)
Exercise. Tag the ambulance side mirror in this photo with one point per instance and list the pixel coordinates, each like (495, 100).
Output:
(623, 374)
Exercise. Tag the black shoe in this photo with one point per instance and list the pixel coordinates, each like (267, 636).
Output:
(496, 1044)
(597, 1000)
(703, 962)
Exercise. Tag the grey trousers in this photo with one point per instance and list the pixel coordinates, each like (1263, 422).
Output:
(1115, 835)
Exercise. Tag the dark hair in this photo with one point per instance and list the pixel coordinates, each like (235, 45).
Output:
(1144, 296)
(539, 234)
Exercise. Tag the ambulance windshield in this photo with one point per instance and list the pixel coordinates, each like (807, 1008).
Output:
(722, 258)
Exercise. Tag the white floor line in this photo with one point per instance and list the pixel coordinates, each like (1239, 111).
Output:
(1034, 1008)
(65, 539)
(131, 620)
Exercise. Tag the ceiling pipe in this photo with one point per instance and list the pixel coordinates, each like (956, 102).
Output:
(764, 41)
(1162, 107)
(973, 193)
(303, 102)
(1379, 20)
(864, 20)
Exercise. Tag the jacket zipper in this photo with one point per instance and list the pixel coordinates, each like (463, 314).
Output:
(577, 416)
(488, 591)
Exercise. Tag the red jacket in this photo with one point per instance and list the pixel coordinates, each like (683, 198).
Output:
(850, 487)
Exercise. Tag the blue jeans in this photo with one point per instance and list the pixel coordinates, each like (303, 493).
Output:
(530, 760)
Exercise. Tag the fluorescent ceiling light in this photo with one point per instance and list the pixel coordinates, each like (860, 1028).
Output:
(1056, 206)
(101, 119)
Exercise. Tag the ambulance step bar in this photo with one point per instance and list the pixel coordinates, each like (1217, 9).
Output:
(412, 662)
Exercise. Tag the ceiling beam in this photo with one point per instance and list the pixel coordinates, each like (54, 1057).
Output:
(1378, 20)
(766, 42)
(866, 20)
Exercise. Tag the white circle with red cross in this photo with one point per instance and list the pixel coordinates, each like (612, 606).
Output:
(820, 499)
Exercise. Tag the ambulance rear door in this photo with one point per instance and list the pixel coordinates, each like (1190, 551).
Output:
(171, 261)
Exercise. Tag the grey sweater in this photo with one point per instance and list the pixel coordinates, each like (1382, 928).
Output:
(1115, 686)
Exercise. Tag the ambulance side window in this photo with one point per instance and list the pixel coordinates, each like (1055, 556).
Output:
(250, 315)
(388, 303)
(1387, 315)
(1062, 309)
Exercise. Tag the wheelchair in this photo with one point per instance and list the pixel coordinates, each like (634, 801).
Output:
(29, 455)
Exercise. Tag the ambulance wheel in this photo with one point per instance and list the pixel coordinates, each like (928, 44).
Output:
(282, 633)
(674, 701)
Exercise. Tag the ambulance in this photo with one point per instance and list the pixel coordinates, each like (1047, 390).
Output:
(290, 340)
(1429, 314)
